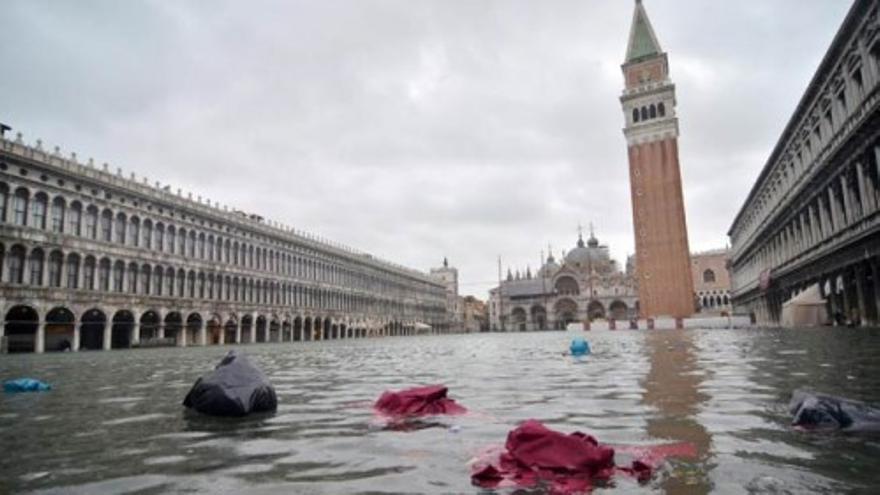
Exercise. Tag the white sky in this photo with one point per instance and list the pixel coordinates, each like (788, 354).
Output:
(414, 129)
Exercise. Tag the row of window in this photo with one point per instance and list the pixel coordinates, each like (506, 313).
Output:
(648, 112)
(89, 222)
(841, 98)
(89, 273)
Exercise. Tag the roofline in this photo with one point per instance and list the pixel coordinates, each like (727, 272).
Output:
(812, 88)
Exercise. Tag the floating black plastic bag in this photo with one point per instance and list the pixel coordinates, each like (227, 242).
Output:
(813, 411)
(235, 388)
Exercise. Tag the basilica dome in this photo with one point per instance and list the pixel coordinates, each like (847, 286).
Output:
(589, 253)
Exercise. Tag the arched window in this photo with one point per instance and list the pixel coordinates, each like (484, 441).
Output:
(157, 281)
(38, 212)
(652, 112)
(91, 222)
(181, 248)
(146, 278)
(635, 114)
(118, 276)
(121, 222)
(169, 282)
(132, 278)
(181, 282)
(708, 277)
(4, 197)
(191, 285)
(74, 218)
(104, 275)
(147, 234)
(201, 246)
(20, 206)
(35, 263)
(58, 207)
(16, 264)
(73, 271)
(134, 234)
(644, 113)
(169, 239)
(55, 263)
(160, 237)
(661, 109)
(106, 225)
(89, 273)
(191, 246)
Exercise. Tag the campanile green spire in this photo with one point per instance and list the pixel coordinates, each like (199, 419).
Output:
(642, 41)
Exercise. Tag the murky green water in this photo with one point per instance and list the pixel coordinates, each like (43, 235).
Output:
(114, 423)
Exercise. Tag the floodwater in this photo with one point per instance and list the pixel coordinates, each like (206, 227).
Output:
(114, 421)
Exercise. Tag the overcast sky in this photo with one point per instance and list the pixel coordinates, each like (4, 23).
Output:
(412, 129)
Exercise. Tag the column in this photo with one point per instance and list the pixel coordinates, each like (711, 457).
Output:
(848, 203)
(203, 334)
(864, 190)
(136, 332)
(834, 222)
(182, 331)
(40, 342)
(814, 226)
(108, 332)
(238, 331)
(77, 328)
(222, 340)
(860, 294)
(875, 275)
(253, 329)
(160, 329)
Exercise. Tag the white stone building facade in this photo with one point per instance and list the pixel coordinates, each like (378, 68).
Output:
(90, 259)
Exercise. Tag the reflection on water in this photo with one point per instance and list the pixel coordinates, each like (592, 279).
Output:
(114, 421)
(672, 386)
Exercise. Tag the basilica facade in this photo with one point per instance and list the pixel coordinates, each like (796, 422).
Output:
(586, 285)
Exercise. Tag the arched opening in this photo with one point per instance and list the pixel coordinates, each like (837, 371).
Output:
(539, 317)
(595, 311)
(262, 329)
(708, 276)
(566, 312)
(308, 329)
(317, 328)
(247, 325)
(618, 310)
(174, 327)
(21, 329)
(286, 333)
(229, 332)
(122, 330)
(327, 325)
(297, 329)
(91, 329)
(193, 327)
(214, 330)
(59, 330)
(644, 113)
(661, 109)
(635, 115)
(149, 326)
(567, 286)
(652, 112)
(274, 331)
(334, 331)
(519, 319)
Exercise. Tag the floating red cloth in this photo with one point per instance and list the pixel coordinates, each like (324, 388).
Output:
(419, 401)
(567, 463)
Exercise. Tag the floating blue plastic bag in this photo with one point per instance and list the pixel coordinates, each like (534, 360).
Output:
(25, 385)
(579, 347)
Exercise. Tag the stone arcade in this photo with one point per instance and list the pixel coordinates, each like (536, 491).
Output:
(94, 260)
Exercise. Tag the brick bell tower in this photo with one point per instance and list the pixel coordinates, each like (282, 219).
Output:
(662, 254)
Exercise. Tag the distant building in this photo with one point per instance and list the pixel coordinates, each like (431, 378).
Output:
(712, 281)
(588, 285)
(651, 132)
(474, 314)
(448, 276)
(812, 218)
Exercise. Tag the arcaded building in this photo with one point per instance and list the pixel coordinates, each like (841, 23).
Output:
(586, 286)
(812, 218)
(90, 259)
(661, 238)
(709, 270)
